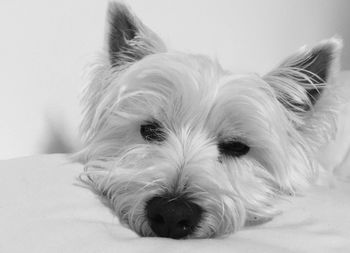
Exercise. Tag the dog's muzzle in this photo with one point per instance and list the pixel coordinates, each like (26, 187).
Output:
(173, 217)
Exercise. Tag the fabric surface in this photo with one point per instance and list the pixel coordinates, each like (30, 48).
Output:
(43, 209)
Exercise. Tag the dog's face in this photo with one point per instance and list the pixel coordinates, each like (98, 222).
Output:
(182, 148)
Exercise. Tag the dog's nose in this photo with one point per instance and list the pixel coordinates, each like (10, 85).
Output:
(173, 217)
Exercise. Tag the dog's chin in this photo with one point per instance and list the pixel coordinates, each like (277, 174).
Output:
(214, 222)
(217, 211)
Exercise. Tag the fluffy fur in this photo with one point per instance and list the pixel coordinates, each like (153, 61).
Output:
(284, 117)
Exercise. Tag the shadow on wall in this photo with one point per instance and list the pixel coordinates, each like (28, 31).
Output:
(59, 136)
(343, 29)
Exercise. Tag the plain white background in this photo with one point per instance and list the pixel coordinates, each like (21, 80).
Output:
(46, 48)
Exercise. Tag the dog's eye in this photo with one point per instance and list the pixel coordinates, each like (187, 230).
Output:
(152, 131)
(233, 148)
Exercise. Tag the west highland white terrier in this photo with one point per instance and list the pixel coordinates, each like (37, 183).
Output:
(182, 148)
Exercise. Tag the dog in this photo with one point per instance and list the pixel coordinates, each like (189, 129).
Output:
(179, 147)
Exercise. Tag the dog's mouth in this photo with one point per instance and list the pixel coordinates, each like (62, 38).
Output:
(173, 217)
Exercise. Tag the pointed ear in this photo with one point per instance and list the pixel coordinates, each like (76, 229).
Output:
(128, 40)
(300, 80)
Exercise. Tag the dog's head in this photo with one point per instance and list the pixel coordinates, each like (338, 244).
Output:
(182, 148)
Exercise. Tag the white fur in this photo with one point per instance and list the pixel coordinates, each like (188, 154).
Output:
(196, 111)
(199, 104)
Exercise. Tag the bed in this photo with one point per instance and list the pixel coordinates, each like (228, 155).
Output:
(44, 208)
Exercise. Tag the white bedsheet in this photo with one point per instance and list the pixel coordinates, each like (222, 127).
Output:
(42, 209)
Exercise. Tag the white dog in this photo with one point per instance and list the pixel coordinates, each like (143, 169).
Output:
(182, 148)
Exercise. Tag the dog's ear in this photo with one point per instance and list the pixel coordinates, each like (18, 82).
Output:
(300, 80)
(128, 40)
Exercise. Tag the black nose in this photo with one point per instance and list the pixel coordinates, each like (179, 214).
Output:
(172, 217)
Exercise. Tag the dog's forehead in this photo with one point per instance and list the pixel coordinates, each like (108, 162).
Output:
(185, 73)
(194, 69)
(193, 86)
